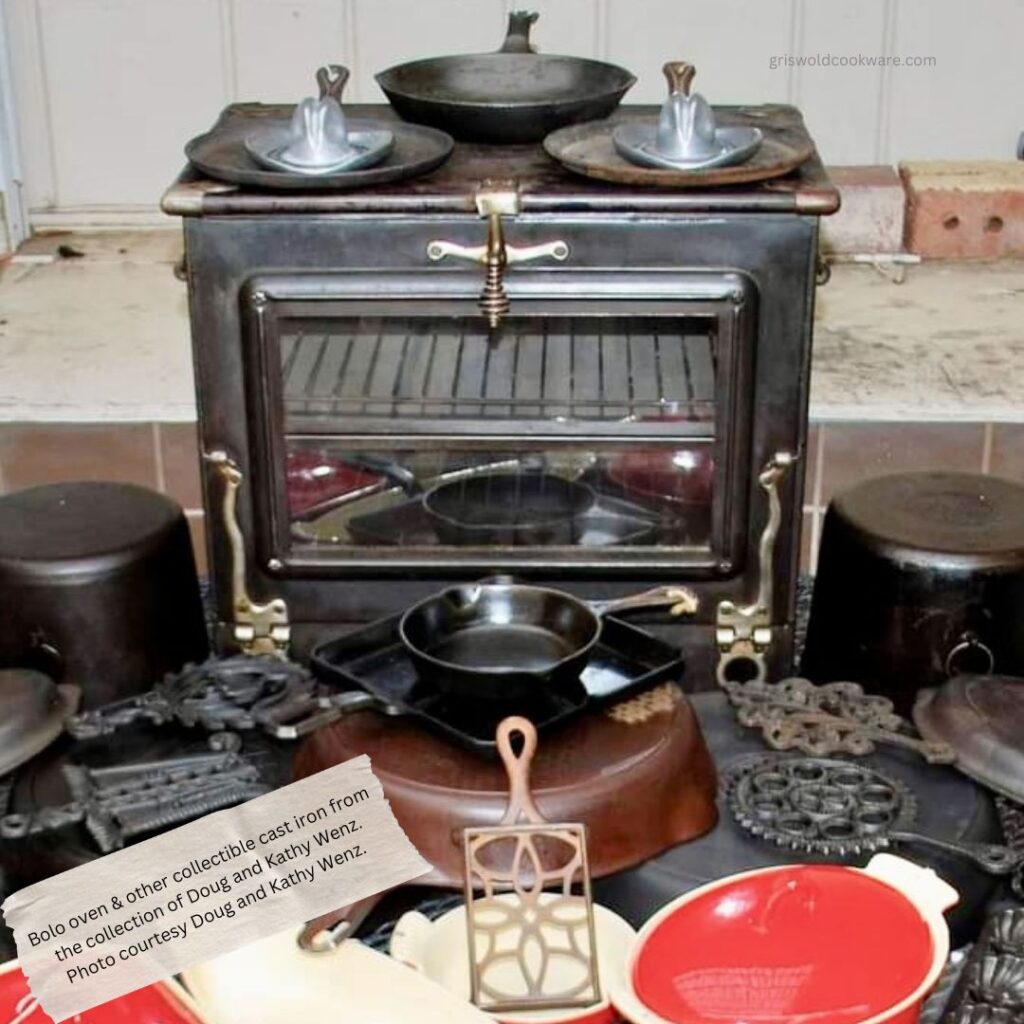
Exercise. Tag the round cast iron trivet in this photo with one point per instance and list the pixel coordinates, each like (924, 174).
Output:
(221, 154)
(824, 806)
(838, 808)
(589, 149)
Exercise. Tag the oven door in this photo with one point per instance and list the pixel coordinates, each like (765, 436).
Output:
(603, 427)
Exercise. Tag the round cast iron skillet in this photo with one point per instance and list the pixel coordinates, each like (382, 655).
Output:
(503, 641)
(510, 509)
(514, 95)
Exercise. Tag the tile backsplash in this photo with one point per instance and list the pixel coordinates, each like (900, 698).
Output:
(164, 456)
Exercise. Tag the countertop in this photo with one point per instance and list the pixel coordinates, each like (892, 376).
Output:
(103, 337)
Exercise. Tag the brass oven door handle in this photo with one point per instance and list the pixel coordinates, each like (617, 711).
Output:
(557, 250)
(493, 201)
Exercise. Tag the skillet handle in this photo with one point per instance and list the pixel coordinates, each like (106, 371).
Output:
(683, 601)
(520, 800)
(517, 39)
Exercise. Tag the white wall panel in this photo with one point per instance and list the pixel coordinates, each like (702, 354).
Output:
(127, 84)
(108, 91)
(841, 104)
(279, 44)
(972, 102)
(391, 31)
(730, 41)
(28, 80)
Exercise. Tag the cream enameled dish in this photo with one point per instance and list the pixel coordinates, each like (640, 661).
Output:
(273, 981)
(439, 950)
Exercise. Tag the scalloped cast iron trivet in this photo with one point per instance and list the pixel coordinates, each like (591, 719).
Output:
(838, 808)
(1011, 817)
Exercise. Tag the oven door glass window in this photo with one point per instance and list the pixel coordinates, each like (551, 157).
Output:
(567, 439)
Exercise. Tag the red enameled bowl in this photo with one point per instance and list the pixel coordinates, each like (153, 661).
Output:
(161, 1003)
(797, 944)
(683, 477)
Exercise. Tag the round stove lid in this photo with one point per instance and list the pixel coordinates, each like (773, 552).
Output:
(959, 514)
(982, 719)
(83, 526)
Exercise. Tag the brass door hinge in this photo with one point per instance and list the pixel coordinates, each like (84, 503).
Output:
(257, 628)
(743, 633)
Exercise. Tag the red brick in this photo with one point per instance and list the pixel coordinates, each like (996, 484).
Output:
(965, 210)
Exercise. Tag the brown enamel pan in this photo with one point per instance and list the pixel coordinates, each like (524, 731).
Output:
(638, 775)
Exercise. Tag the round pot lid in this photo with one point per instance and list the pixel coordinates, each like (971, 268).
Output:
(965, 516)
(34, 712)
(775, 947)
(982, 719)
(80, 529)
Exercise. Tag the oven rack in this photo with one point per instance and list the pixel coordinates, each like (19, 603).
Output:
(550, 370)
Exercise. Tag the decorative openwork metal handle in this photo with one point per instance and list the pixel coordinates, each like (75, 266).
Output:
(493, 201)
(744, 632)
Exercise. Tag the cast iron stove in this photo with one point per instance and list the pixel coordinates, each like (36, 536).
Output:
(650, 347)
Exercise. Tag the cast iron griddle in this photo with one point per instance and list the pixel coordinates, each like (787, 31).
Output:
(625, 660)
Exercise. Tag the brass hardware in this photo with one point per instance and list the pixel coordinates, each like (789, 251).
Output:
(744, 632)
(258, 628)
(330, 80)
(495, 200)
(679, 75)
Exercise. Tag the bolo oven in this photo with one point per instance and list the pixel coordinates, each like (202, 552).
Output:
(504, 368)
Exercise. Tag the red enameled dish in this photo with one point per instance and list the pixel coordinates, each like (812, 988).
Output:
(797, 944)
(160, 1003)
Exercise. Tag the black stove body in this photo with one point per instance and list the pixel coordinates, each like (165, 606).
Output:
(655, 351)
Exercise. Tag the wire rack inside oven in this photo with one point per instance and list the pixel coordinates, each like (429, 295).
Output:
(562, 368)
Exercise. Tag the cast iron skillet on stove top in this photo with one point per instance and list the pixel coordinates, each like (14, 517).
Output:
(503, 641)
(512, 96)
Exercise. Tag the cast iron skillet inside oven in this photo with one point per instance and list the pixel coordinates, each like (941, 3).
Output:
(508, 509)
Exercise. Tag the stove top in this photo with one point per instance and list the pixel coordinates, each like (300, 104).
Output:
(546, 186)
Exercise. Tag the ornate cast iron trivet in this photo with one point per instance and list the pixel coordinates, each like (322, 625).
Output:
(990, 989)
(838, 808)
(119, 802)
(836, 718)
(244, 692)
(1011, 817)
